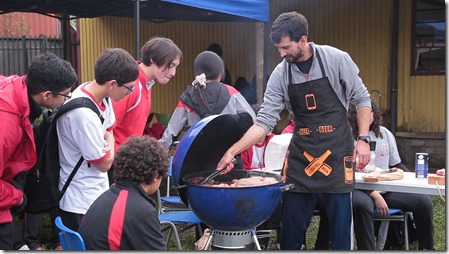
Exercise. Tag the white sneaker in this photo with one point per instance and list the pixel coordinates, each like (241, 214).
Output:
(24, 247)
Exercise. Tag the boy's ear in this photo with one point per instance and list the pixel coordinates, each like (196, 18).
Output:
(45, 96)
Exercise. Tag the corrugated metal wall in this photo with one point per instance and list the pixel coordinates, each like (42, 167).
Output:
(421, 99)
(362, 28)
(30, 24)
(236, 39)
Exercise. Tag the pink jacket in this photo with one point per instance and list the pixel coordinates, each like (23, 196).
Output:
(18, 150)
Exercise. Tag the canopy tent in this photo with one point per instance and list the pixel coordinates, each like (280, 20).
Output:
(154, 10)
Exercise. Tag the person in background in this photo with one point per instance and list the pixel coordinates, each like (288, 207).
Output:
(125, 217)
(226, 77)
(153, 128)
(289, 127)
(48, 83)
(204, 97)
(365, 203)
(254, 157)
(248, 91)
(82, 134)
(315, 83)
(32, 227)
(160, 57)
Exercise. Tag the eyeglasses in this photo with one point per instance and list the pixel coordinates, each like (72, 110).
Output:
(67, 96)
(130, 90)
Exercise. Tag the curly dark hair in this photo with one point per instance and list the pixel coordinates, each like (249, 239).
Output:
(375, 125)
(141, 159)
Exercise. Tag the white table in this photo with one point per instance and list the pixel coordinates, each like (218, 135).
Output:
(409, 184)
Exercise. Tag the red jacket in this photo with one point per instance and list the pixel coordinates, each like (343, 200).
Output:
(17, 150)
(132, 111)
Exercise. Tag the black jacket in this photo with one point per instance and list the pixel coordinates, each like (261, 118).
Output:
(122, 218)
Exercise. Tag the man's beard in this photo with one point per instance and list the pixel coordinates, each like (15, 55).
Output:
(296, 57)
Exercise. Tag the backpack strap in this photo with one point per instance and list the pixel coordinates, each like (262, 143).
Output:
(78, 103)
(72, 104)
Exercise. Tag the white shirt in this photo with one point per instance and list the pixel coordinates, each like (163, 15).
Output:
(81, 133)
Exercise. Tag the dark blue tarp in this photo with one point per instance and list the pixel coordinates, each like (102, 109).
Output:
(154, 10)
(253, 9)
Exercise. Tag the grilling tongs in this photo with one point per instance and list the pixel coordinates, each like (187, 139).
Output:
(213, 174)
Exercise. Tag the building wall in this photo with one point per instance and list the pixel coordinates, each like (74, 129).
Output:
(421, 99)
(362, 28)
(29, 24)
(235, 38)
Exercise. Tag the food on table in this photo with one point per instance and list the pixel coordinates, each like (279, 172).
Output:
(438, 178)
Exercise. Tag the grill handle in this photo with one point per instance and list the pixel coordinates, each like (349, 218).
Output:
(287, 187)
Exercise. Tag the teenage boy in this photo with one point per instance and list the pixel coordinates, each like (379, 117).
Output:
(47, 84)
(82, 133)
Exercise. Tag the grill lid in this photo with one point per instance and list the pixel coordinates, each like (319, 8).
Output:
(203, 145)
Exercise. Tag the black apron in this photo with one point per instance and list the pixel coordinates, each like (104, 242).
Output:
(321, 138)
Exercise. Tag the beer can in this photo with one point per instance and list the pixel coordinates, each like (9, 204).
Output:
(421, 165)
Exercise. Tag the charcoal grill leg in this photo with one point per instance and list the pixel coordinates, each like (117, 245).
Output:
(209, 240)
(254, 236)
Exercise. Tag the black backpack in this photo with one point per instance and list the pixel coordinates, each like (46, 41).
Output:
(41, 186)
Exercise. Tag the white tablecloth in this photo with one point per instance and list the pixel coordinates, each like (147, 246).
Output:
(409, 184)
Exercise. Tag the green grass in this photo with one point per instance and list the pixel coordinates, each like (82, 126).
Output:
(188, 238)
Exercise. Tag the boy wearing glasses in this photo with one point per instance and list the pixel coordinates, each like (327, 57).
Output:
(21, 99)
(81, 133)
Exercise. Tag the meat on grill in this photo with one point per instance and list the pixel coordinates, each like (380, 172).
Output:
(242, 182)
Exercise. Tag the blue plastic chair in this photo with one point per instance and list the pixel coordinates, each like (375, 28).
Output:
(168, 202)
(70, 240)
(173, 218)
(396, 214)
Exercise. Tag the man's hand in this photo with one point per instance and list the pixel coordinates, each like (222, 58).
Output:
(363, 152)
(226, 161)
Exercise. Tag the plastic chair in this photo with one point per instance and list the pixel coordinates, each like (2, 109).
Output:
(174, 218)
(70, 240)
(395, 215)
(168, 202)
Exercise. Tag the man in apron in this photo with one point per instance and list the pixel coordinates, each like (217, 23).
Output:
(315, 83)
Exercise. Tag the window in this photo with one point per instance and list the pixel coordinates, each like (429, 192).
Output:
(429, 38)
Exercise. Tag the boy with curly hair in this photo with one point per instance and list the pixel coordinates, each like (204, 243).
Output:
(124, 217)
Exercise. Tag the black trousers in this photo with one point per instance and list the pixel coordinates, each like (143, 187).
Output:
(363, 214)
(71, 220)
(11, 236)
(32, 229)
